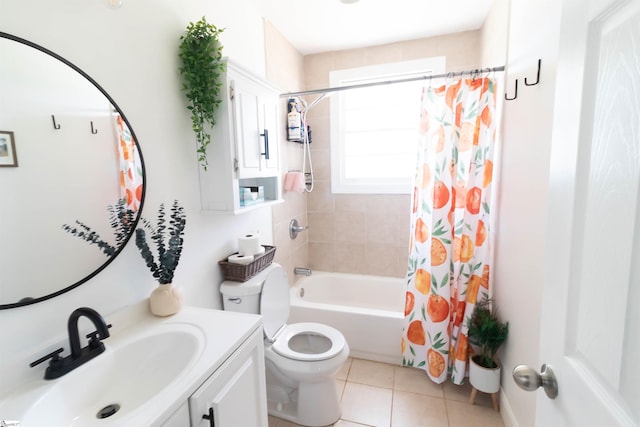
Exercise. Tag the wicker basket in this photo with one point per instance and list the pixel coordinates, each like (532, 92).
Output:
(242, 273)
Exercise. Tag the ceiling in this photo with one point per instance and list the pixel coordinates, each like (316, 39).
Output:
(315, 26)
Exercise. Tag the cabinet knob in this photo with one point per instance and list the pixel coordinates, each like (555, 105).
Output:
(266, 144)
(209, 417)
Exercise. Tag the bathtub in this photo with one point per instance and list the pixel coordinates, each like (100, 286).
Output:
(368, 310)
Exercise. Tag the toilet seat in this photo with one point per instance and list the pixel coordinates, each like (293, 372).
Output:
(274, 307)
(282, 344)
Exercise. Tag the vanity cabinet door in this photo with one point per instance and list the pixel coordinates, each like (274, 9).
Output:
(235, 394)
(180, 417)
(255, 109)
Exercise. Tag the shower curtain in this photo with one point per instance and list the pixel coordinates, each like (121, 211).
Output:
(130, 166)
(450, 253)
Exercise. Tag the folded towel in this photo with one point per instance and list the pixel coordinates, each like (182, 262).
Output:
(294, 181)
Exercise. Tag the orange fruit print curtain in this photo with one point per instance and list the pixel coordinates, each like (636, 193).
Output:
(450, 253)
(130, 166)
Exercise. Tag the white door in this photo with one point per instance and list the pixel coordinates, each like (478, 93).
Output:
(590, 328)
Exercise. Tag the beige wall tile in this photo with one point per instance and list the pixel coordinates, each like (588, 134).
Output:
(351, 202)
(321, 256)
(350, 258)
(349, 227)
(321, 161)
(349, 58)
(320, 199)
(320, 133)
(383, 54)
(321, 227)
(381, 228)
(403, 261)
(386, 204)
(381, 260)
(316, 70)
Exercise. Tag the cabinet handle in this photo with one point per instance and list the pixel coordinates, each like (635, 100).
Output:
(266, 143)
(209, 417)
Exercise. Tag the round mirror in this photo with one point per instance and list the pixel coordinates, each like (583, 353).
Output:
(71, 174)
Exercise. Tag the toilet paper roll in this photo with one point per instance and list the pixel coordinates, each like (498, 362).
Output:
(240, 259)
(249, 244)
(261, 251)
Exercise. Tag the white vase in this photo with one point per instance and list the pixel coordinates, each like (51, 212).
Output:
(165, 300)
(484, 379)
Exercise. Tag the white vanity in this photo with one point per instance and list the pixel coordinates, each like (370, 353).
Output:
(199, 367)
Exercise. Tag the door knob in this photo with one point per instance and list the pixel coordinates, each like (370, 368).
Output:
(528, 379)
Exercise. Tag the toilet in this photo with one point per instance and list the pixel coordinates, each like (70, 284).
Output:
(301, 359)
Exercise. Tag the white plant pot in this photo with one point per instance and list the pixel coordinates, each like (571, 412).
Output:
(484, 379)
(165, 300)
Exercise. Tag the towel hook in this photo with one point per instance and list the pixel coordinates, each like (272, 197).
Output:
(537, 76)
(93, 130)
(55, 125)
(515, 95)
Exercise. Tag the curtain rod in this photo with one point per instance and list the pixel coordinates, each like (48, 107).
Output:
(387, 82)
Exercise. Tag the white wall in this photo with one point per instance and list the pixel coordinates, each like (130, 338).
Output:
(132, 53)
(523, 193)
(35, 86)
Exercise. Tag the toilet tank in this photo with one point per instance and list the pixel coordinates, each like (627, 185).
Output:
(243, 297)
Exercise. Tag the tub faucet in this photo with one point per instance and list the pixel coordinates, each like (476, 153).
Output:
(302, 270)
(79, 356)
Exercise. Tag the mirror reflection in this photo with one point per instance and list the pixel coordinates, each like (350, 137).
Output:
(79, 159)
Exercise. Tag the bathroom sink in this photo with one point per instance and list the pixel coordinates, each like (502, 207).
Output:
(148, 371)
(120, 380)
(138, 366)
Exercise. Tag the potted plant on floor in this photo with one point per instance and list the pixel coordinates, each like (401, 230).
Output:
(487, 333)
(166, 299)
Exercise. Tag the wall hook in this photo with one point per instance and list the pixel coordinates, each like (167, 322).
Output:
(55, 125)
(537, 76)
(93, 130)
(515, 95)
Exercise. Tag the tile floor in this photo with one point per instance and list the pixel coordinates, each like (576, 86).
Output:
(377, 394)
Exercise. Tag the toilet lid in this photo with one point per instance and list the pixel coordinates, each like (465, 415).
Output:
(330, 341)
(274, 302)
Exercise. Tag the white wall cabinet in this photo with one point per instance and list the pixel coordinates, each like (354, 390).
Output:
(245, 146)
(235, 394)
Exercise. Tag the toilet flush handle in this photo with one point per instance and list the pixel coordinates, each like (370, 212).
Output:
(235, 300)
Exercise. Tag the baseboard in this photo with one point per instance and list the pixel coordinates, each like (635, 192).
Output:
(506, 413)
(375, 357)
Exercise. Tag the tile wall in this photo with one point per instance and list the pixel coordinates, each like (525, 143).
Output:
(285, 70)
(366, 234)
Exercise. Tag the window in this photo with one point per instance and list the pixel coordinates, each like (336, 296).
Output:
(374, 130)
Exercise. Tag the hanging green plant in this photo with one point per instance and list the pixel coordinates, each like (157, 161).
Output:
(202, 70)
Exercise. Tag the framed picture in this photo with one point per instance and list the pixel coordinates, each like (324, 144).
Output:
(8, 156)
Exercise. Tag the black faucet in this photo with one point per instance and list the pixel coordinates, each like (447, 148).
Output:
(60, 366)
